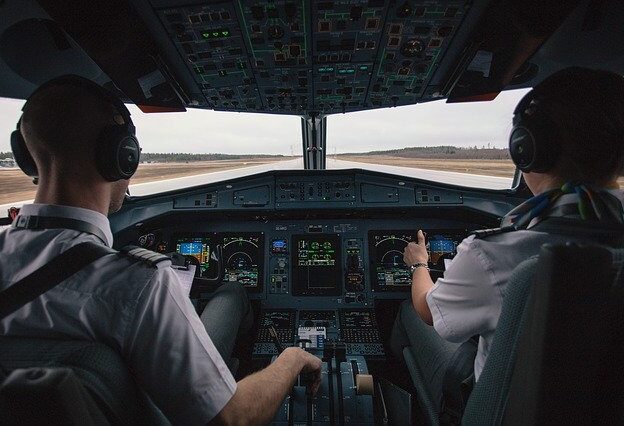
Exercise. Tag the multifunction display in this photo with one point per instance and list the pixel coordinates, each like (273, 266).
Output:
(388, 270)
(243, 258)
(317, 266)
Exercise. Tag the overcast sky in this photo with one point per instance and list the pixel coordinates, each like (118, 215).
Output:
(429, 124)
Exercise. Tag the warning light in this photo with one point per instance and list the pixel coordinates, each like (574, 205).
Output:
(216, 33)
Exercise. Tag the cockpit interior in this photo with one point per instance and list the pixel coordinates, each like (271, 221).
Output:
(318, 251)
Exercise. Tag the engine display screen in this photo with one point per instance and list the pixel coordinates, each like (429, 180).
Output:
(200, 249)
(243, 257)
(357, 319)
(388, 270)
(317, 267)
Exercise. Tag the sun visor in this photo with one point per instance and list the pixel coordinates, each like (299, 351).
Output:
(38, 50)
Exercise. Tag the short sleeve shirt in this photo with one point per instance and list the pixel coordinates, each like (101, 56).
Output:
(468, 300)
(133, 308)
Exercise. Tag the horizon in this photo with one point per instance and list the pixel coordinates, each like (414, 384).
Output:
(475, 147)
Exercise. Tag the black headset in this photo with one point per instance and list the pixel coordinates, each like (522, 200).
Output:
(118, 151)
(534, 141)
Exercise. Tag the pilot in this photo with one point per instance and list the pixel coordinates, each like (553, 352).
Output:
(567, 139)
(137, 309)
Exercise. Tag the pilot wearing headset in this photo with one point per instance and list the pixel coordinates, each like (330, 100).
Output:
(79, 140)
(568, 141)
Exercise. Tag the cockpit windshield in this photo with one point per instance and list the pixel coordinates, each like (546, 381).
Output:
(463, 144)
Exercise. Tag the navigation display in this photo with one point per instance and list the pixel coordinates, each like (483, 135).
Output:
(317, 269)
(243, 256)
(200, 249)
(441, 247)
(390, 273)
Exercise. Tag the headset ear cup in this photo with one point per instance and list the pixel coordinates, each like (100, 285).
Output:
(128, 156)
(21, 154)
(118, 154)
(534, 144)
(522, 148)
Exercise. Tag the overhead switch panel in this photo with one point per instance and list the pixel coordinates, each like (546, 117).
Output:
(301, 57)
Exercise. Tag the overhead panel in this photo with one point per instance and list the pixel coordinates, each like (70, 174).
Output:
(346, 40)
(415, 37)
(308, 57)
(280, 49)
(211, 42)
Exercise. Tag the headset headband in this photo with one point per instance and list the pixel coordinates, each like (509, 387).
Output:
(118, 149)
(85, 83)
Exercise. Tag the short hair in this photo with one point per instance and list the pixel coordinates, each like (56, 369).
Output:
(587, 106)
(64, 120)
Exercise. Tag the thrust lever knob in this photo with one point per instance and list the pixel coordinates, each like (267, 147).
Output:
(364, 384)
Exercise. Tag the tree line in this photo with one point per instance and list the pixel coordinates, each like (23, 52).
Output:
(441, 152)
(147, 157)
(432, 152)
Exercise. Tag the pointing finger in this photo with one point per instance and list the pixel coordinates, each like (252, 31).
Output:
(421, 237)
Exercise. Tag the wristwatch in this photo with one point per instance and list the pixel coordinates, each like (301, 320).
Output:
(418, 265)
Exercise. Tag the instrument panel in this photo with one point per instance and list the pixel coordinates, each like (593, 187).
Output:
(320, 255)
(292, 263)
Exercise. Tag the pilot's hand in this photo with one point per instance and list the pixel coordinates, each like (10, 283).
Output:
(416, 252)
(310, 364)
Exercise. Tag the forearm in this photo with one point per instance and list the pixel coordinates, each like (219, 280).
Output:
(421, 284)
(259, 396)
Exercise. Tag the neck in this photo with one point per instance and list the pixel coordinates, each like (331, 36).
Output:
(547, 183)
(74, 193)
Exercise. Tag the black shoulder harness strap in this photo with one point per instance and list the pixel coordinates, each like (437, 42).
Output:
(49, 276)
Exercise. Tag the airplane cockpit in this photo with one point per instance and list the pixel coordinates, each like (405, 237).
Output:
(318, 250)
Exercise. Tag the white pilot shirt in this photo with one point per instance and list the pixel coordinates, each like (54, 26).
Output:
(133, 308)
(468, 300)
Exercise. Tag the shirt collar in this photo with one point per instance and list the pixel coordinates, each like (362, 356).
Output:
(78, 213)
(572, 199)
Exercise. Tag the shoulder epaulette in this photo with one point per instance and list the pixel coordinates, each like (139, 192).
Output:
(152, 258)
(482, 233)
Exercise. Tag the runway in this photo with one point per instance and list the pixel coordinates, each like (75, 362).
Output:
(462, 179)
